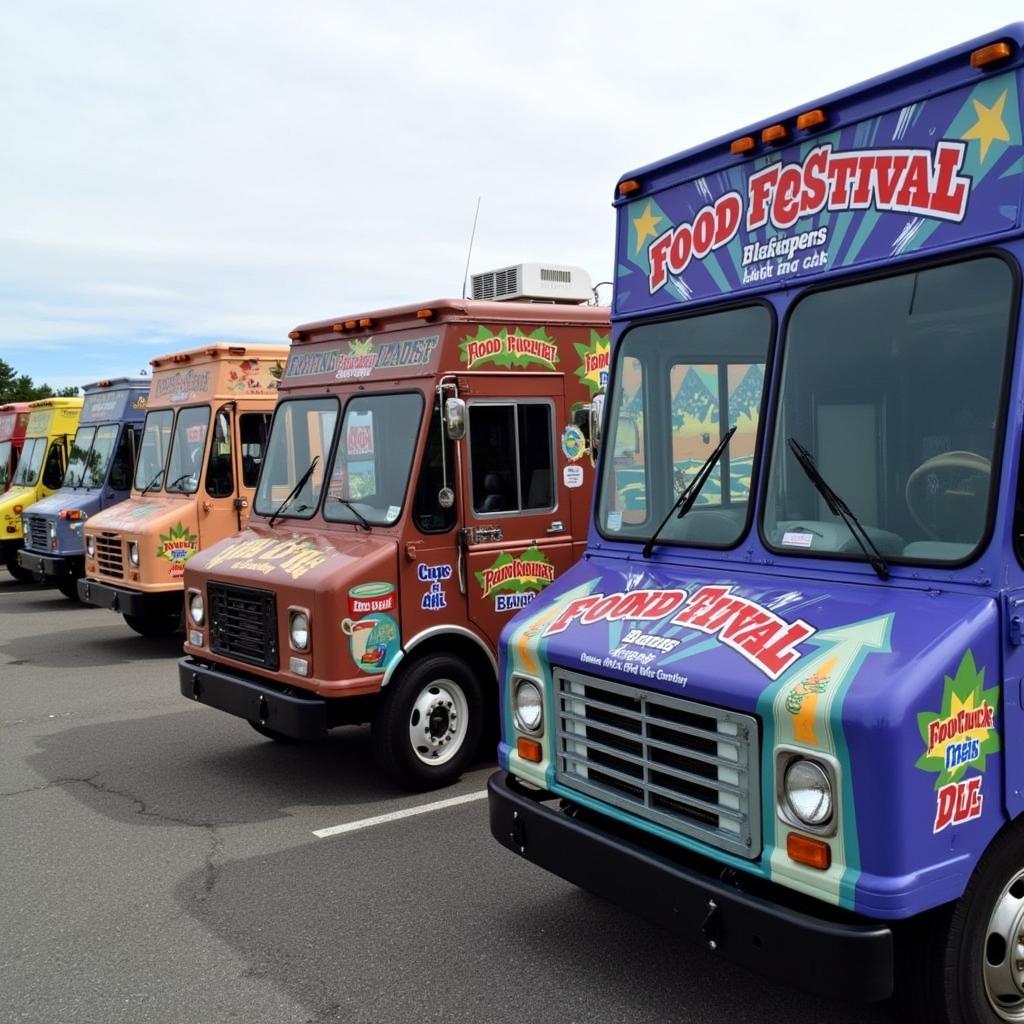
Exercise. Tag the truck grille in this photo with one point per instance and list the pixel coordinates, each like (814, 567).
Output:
(110, 555)
(38, 535)
(690, 767)
(243, 624)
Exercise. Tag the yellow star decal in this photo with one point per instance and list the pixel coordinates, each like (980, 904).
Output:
(989, 127)
(646, 226)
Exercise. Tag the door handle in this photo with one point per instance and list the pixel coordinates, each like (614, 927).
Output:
(556, 527)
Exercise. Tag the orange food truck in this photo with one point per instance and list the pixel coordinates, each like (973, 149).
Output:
(207, 418)
(426, 477)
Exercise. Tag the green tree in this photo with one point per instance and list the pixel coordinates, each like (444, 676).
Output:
(15, 387)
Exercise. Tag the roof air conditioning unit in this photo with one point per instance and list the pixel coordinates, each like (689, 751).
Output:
(534, 282)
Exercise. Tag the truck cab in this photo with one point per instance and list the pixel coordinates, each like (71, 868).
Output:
(203, 440)
(99, 474)
(425, 479)
(49, 431)
(13, 421)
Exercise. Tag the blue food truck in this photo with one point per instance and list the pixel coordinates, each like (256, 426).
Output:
(99, 474)
(783, 720)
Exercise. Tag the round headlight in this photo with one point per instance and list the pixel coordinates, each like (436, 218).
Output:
(133, 555)
(299, 630)
(196, 611)
(90, 546)
(528, 705)
(808, 792)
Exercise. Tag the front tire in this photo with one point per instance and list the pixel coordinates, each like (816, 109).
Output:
(165, 625)
(19, 574)
(427, 724)
(69, 588)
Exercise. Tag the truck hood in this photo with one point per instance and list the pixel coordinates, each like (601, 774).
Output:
(142, 515)
(86, 499)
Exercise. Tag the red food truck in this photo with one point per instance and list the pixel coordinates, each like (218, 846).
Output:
(426, 477)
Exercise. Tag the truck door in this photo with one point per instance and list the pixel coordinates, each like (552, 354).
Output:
(218, 517)
(517, 528)
(253, 429)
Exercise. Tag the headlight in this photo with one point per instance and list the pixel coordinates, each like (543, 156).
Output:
(528, 706)
(808, 792)
(133, 554)
(90, 546)
(53, 530)
(298, 630)
(196, 611)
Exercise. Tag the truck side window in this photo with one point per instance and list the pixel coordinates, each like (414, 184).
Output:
(253, 428)
(511, 457)
(53, 473)
(220, 477)
(123, 465)
(429, 516)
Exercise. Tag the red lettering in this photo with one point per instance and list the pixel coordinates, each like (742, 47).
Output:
(949, 196)
(888, 171)
(786, 204)
(841, 169)
(958, 802)
(658, 254)
(760, 188)
(862, 191)
(703, 232)
(570, 612)
(777, 656)
(728, 210)
(913, 194)
(815, 183)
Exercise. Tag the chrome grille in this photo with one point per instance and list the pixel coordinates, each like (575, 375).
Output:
(38, 538)
(690, 767)
(243, 624)
(110, 555)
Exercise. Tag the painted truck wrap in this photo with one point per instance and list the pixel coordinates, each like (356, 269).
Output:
(786, 721)
(101, 464)
(49, 432)
(386, 551)
(207, 415)
(13, 422)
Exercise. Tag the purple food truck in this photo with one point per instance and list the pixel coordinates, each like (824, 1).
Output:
(99, 475)
(775, 706)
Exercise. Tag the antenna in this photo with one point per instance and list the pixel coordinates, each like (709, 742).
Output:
(472, 235)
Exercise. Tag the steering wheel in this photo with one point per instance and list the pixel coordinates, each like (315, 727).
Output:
(962, 464)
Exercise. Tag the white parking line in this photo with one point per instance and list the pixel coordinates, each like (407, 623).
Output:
(409, 812)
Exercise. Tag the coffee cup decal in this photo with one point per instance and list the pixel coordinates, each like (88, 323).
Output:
(371, 598)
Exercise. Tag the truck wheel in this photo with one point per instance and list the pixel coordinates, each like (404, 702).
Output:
(20, 574)
(165, 625)
(271, 734)
(968, 967)
(427, 723)
(69, 588)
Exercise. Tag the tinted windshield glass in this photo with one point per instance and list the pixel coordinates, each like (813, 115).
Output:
(303, 430)
(895, 387)
(31, 462)
(185, 466)
(5, 463)
(75, 473)
(679, 385)
(99, 456)
(156, 439)
(373, 457)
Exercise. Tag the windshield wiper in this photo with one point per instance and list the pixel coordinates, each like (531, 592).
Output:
(363, 521)
(688, 496)
(149, 486)
(839, 508)
(294, 491)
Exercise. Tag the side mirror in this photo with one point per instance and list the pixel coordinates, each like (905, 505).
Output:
(596, 419)
(581, 419)
(455, 418)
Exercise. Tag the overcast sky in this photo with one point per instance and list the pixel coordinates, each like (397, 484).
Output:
(175, 173)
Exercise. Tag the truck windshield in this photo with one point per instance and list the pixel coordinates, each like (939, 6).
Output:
(31, 462)
(303, 430)
(99, 455)
(370, 472)
(185, 466)
(5, 463)
(679, 386)
(156, 439)
(74, 475)
(895, 386)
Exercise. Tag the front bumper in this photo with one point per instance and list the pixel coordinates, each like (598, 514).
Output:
(130, 602)
(837, 956)
(52, 566)
(284, 711)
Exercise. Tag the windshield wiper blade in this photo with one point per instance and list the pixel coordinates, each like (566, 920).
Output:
(294, 491)
(839, 508)
(688, 496)
(363, 521)
(149, 486)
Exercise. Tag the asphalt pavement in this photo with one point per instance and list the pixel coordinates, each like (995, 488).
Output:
(159, 863)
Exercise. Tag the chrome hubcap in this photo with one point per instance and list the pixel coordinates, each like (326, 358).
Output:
(1003, 955)
(437, 723)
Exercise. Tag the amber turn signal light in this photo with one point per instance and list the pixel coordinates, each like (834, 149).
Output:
(424, 314)
(744, 145)
(628, 187)
(811, 119)
(528, 750)
(813, 852)
(773, 133)
(294, 335)
(990, 54)
(366, 322)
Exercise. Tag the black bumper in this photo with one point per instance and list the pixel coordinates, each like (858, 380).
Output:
(129, 602)
(299, 716)
(835, 957)
(52, 566)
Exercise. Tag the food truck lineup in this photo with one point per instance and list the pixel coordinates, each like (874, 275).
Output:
(738, 570)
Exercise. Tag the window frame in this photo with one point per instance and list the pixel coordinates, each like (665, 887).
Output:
(201, 482)
(136, 486)
(208, 456)
(764, 410)
(999, 446)
(514, 403)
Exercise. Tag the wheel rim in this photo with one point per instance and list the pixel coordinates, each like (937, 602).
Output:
(1003, 953)
(438, 721)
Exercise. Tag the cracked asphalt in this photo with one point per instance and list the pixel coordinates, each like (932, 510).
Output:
(158, 864)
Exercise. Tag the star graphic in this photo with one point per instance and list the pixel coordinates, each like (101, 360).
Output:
(646, 226)
(989, 127)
